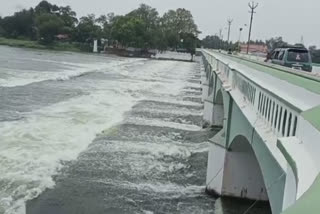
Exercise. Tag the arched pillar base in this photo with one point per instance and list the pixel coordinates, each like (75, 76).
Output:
(208, 111)
(234, 172)
(242, 176)
(216, 161)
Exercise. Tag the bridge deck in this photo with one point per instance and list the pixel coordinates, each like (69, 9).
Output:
(309, 82)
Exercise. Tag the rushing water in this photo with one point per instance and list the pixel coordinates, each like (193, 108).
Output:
(97, 134)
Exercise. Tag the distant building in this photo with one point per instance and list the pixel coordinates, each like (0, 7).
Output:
(253, 48)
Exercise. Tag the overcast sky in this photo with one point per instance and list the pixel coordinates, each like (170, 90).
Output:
(290, 19)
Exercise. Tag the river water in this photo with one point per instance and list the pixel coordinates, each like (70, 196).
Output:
(82, 133)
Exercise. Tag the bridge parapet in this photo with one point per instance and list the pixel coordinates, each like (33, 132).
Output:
(284, 108)
(278, 114)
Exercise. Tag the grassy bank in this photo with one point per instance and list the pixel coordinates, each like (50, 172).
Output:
(58, 46)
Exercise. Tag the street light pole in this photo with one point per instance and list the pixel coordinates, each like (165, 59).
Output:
(252, 7)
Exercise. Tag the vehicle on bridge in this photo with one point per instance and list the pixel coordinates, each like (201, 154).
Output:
(292, 57)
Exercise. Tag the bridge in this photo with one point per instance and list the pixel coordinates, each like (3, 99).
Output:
(268, 148)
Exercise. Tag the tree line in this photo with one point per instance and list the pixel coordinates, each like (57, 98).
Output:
(215, 42)
(140, 28)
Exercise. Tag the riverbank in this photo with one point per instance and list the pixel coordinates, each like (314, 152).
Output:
(57, 46)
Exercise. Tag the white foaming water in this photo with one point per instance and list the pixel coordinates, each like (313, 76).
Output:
(178, 102)
(161, 123)
(24, 77)
(182, 112)
(31, 149)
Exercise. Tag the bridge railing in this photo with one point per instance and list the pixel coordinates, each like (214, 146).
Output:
(279, 115)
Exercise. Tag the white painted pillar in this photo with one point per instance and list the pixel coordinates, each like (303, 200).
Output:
(95, 46)
(242, 177)
(217, 115)
(208, 110)
(215, 169)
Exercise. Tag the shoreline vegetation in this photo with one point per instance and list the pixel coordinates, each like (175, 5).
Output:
(54, 27)
(23, 43)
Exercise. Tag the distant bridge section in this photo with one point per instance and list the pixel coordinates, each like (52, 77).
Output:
(269, 145)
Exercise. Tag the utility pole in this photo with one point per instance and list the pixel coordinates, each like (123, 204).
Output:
(221, 39)
(220, 33)
(239, 41)
(252, 7)
(229, 27)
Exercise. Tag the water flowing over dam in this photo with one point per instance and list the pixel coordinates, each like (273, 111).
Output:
(101, 134)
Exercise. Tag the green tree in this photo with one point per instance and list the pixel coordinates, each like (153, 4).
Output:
(102, 20)
(2, 31)
(88, 29)
(46, 7)
(106, 23)
(177, 23)
(148, 18)
(189, 42)
(68, 16)
(129, 31)
(141, 28)
(21, 24)
(64, 16)
(315, 54)
(212, 42)
(48, 25)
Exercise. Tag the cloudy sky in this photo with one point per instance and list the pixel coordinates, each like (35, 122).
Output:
(291, 19)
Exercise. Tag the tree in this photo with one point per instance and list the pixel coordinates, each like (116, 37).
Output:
(2, 31)
(68, 16)
(178, 23)
(276, 42)
(149, 15)
(189, 42)
(215, 42)
(129, 31)
(312, 48)
(140, 28)
(88, 29)
(106, 23)
(21, 24)
(212, 42)
(48, 26)
(46, 7)
(53, 14)
(315, 54)
(102, 20)
(185, 22)
(148, 19)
